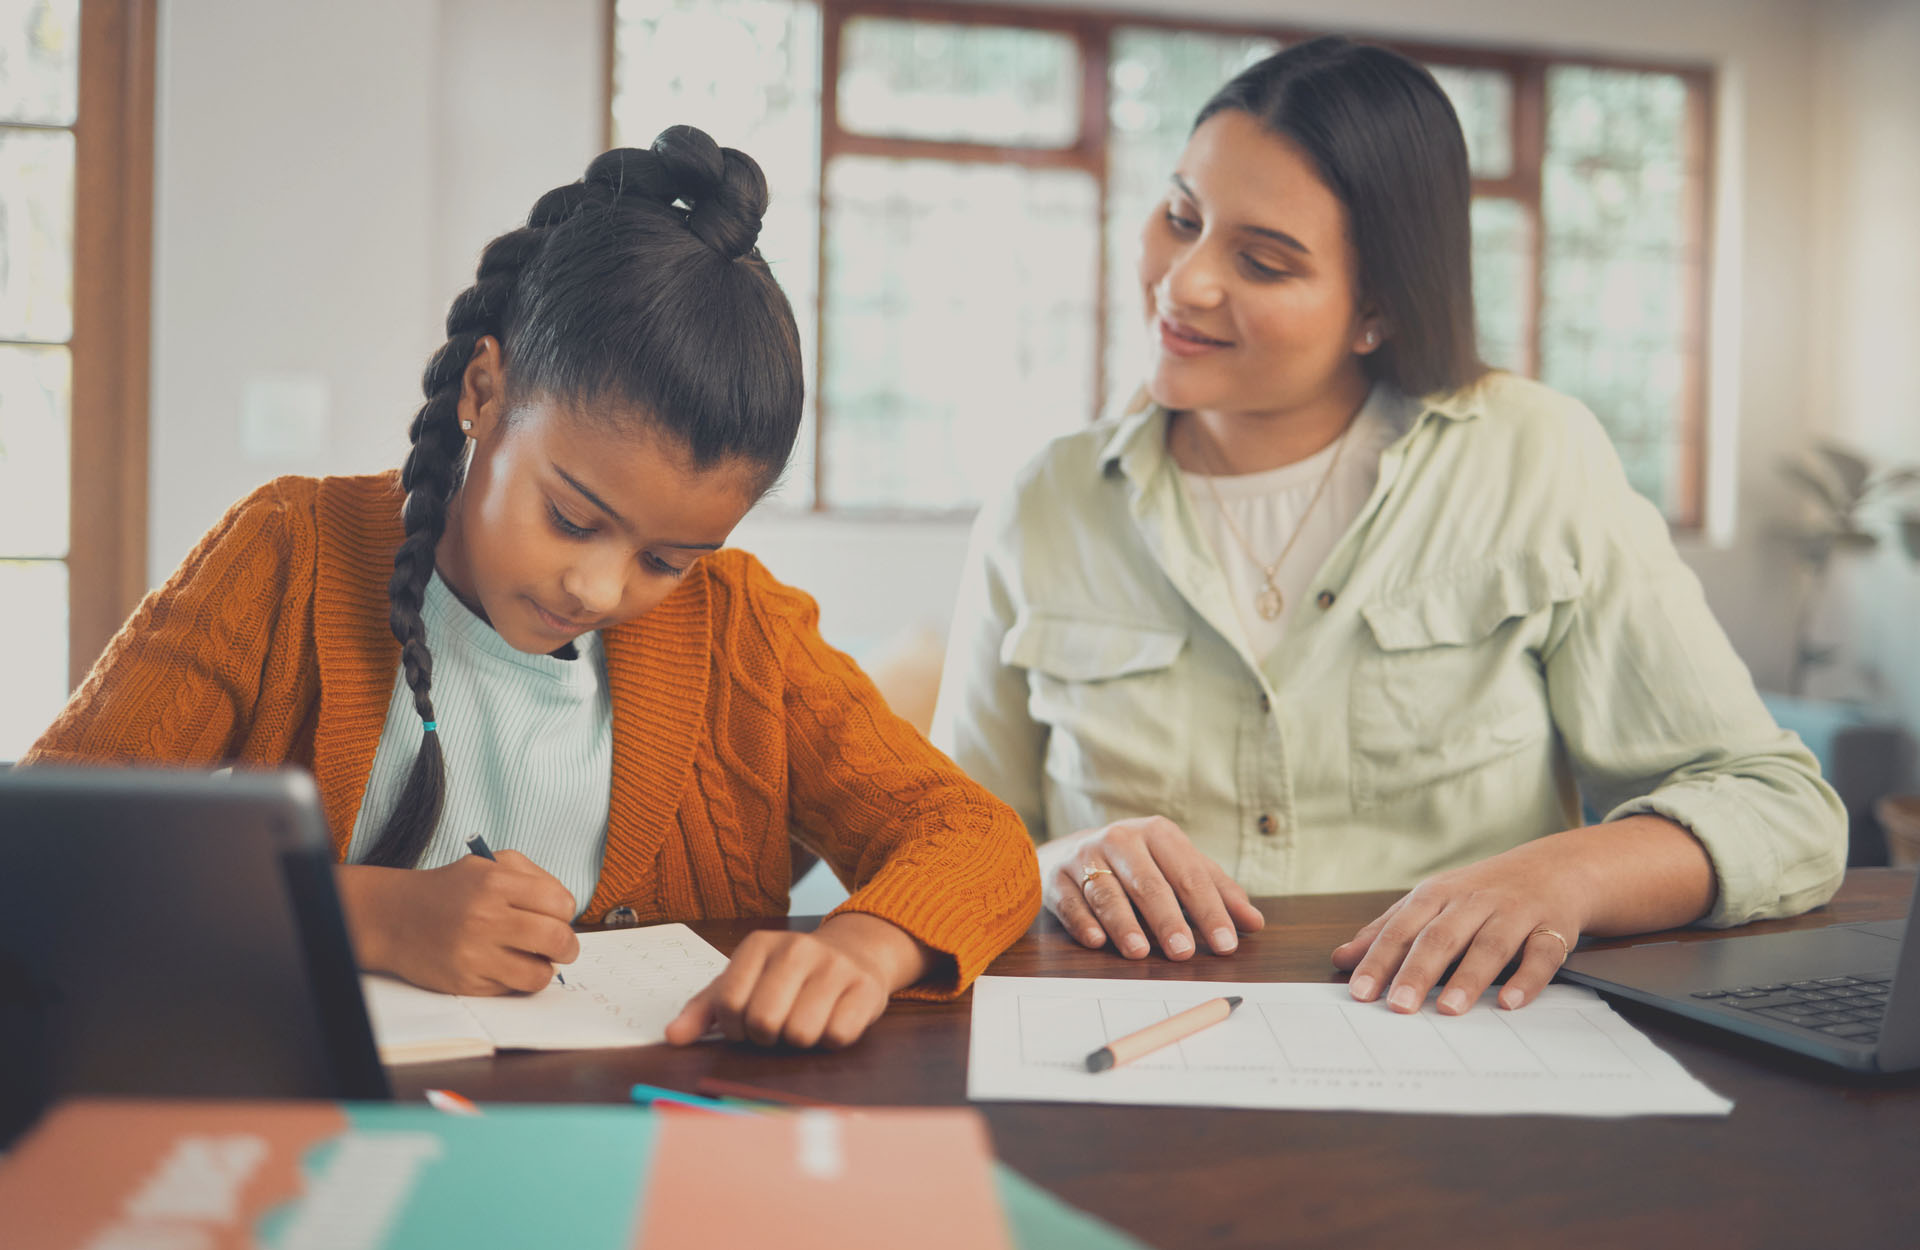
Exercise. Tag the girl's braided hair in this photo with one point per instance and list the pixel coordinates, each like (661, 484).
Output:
(637, 289)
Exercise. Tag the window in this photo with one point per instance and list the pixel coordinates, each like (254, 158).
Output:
(959, 191)
(75, 189)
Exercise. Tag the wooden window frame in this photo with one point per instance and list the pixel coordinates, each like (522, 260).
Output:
(112, 312)
(1093, 30)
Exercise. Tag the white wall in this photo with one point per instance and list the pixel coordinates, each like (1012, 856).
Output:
(292, 209)
(327, 175)
(1865, 369)
(325, 178)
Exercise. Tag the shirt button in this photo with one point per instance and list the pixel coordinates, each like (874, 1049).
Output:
(1266, 705)
(622, 917)
(1324, 599)
(1265, 824)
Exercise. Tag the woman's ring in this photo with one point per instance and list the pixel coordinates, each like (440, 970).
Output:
(1088, 873)
(1565, 948)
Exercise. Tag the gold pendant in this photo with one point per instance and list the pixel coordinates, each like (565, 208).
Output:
(1270, 603)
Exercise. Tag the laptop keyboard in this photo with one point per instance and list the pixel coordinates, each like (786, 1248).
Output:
(1843, 1007)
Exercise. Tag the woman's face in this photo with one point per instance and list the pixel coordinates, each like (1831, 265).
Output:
(1250, 277)
(564, 525)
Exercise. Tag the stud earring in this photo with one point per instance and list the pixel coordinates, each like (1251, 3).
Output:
(467, 426)
(1373, 336)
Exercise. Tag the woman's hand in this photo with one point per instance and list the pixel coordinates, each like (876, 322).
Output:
(1102, 883)
(806, 989)
(473, 927)
(1534, 901)
(1482, 915)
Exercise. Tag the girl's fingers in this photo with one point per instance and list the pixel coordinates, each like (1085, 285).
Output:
(856, 1009)
(515, 971)
(532, 888)
(783, 988)
(807, 1019)
(1070, 908)
(1498, 940)
(782, 979)
(1111, 905)
(730, 991)
(1540, 958)
(552, 940)
(694, 1019)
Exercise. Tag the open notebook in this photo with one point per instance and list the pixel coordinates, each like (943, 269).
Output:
(622, 991)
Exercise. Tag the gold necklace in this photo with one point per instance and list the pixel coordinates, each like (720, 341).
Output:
(1270, 603)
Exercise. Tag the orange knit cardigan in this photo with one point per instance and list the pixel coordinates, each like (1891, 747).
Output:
(734, 725)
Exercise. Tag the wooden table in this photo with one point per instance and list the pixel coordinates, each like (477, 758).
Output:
(1810, 1157)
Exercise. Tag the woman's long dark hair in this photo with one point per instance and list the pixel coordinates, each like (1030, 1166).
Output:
(637, 289)
(1384, 138)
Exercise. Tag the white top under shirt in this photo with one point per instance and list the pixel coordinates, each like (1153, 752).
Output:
(528, 745)
(1267, 507)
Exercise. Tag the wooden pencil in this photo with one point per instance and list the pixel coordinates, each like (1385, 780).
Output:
(1166, 1033)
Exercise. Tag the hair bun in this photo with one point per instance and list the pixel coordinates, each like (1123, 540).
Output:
(723, 188)
(729, 219)
(633, 171)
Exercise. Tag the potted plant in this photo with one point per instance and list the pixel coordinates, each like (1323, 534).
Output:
(1844, 504)
(1841, 498)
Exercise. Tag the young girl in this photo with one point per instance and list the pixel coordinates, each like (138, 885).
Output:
(531, 633)
(1339, 609)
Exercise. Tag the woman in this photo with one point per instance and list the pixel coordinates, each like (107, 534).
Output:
(1341, 609)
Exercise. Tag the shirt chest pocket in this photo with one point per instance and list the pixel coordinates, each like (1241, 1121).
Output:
(1115, 713)
(1449, 680)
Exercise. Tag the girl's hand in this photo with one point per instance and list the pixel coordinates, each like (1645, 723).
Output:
(1101, 883)
(1483, 915)
(473, 927)
(805, 989)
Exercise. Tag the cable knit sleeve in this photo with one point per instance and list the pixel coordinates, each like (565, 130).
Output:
(918, 842)
(184, 680)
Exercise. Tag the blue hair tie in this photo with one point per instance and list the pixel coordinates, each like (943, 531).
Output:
(430, 726)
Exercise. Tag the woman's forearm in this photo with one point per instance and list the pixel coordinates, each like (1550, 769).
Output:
(1638, 874)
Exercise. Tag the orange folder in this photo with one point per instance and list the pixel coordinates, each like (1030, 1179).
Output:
(824, 1180)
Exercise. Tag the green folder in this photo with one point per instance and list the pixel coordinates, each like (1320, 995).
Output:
(1040, 1221)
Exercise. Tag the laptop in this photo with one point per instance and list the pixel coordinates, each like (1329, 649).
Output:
(1848, 994)
(167, 933)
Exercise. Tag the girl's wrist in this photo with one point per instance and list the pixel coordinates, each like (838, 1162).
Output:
(363, 903)
(893, 956)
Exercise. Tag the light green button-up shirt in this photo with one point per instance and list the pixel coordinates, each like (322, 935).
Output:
(1504, 629)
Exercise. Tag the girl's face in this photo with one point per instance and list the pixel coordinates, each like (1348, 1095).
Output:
(564, 526)
(1250, 277)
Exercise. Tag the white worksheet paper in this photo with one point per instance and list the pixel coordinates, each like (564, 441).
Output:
(622, 991)
(1312, 1047)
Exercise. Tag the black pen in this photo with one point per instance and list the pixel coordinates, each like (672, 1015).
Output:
(477, 845)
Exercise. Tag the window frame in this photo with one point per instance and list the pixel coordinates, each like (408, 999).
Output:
(108, 345)
(1093, 30)
(112, 316)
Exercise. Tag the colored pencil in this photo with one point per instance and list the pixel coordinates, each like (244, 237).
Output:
(451, 1103)
(673, 1099)
(715, 1087)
